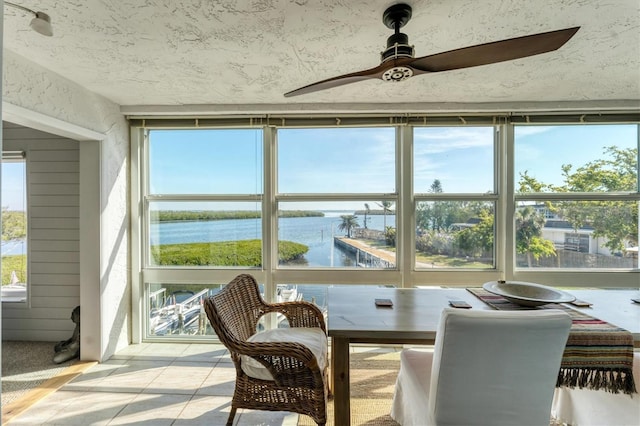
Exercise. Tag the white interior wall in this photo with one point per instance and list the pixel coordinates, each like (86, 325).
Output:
(37, 98)
(54, 236)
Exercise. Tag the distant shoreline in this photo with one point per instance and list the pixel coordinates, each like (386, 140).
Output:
(374, 212)
(196, 216)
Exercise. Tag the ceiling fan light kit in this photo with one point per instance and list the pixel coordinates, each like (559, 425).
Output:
(398, 61)
(41, 23)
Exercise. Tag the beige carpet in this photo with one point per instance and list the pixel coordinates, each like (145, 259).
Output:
(373, 378)
(25, 366)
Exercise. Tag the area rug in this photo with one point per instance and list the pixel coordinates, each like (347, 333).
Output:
(373, 378)
(25, 366)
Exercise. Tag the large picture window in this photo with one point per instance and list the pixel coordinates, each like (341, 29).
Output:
(307, 203)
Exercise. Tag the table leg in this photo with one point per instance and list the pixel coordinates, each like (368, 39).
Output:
(340, 379)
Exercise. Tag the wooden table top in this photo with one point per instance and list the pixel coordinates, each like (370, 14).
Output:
(353, 314)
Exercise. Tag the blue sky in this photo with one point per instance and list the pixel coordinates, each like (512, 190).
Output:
(13, 185)
(543, 150)
(341, 160)
(461, 158)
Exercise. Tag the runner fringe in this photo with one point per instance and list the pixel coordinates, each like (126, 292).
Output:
(614, 381)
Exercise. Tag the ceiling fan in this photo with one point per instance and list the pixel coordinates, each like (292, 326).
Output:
(398, 62)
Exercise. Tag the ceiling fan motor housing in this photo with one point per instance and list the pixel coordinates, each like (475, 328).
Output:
(395, 17)
(397, 47)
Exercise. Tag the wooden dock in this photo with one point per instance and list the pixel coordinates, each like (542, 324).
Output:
(366, 256)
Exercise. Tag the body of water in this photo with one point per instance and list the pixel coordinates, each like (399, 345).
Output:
(13, 247)
(315, 232)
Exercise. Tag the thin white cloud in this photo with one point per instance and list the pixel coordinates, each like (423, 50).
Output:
(438, 140)
(524, 131)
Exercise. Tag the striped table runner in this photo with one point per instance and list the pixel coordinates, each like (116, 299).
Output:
(598, 355)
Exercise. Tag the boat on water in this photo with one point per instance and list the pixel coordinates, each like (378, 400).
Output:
(15, 291)
(284, 293)
(182, 311)
(288, 293)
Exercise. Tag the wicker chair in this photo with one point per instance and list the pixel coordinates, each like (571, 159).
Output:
(299, 385)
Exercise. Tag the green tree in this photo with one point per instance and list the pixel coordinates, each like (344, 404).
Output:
(386, 207)
(530, 184)
(478, 239)
(349, 222)
(433, 215)
(529, 239)
(615, 221)
(440, 211)
(390, 236)
(14, 224)
(439, 215)
(436, 187)
(367, 210)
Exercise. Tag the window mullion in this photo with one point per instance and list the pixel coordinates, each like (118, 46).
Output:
(405, 216)
(269, 214)
(506, 204)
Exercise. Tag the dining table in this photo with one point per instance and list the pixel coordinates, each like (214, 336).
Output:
(411, 316)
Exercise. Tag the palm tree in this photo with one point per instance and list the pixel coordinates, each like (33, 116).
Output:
(366, 212)
(386, 207)
(529, 239)
(349, 221)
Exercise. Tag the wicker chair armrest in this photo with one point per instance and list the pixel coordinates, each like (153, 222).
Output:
(299, 314)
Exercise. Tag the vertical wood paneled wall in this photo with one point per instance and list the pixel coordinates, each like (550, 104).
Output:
(53, 236)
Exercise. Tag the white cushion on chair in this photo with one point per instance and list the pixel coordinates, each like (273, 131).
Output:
(312, 338)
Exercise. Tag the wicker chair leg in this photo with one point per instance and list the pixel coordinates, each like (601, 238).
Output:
(231, 416)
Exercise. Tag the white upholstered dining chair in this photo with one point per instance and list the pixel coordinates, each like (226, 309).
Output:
(487, 368)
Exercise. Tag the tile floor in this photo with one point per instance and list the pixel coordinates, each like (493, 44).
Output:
(152, 384)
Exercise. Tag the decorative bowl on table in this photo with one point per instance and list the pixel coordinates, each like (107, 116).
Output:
(527, 294)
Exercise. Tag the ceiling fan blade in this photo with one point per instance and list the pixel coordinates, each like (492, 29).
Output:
(338, 81)
(497, 51)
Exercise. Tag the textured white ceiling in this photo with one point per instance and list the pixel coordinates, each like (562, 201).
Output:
(177, 52)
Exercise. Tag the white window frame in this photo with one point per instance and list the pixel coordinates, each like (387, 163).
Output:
(20, 156)
(624, 278)
(405, 273)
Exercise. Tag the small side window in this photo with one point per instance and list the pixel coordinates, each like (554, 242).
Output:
(14, 227)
